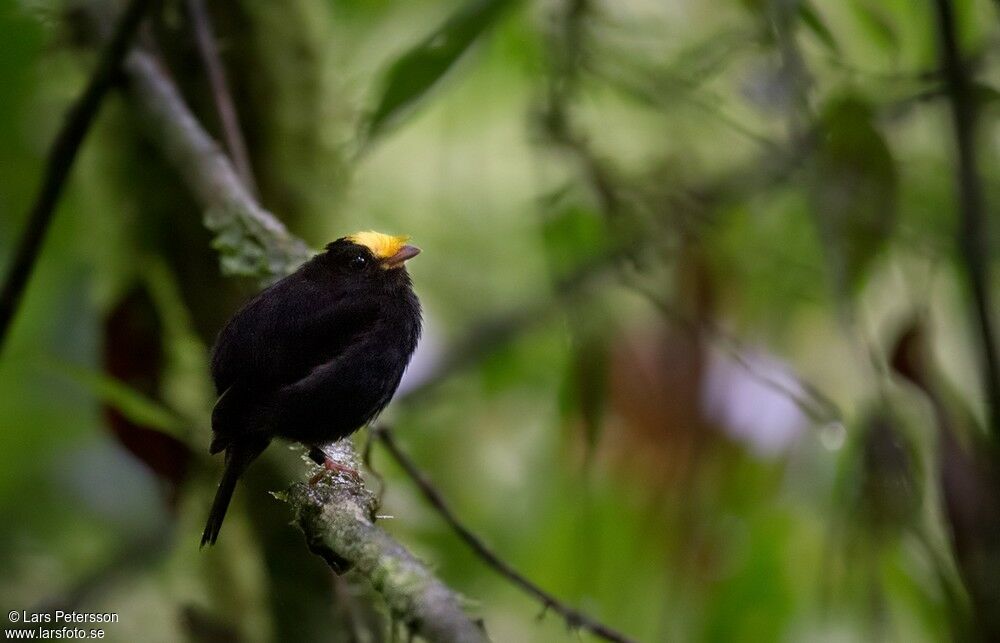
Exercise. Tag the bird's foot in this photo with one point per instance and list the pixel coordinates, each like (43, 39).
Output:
(330, 466)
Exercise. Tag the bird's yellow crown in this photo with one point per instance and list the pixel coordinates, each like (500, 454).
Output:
(381, 245)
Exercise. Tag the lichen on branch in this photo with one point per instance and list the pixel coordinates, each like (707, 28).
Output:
(250, 240)
(337, 516)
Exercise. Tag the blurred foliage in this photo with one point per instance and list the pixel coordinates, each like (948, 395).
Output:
(773, 182)
(415, 72)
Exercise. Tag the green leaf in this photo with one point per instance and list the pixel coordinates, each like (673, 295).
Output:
(133, 405)
(854, 189)
(571, 233)
(709, 56)
(584, 392)
(418, 70)
(881, 482)
(984, 94)
(23, 45)
(878, 27)
(812, 20)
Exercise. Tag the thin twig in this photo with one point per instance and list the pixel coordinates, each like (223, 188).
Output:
(973, 236)
(229, 118)
(806, 396)
(672, 88)
(500, 329)
(60, 160)
(574, 618)
(809, 399)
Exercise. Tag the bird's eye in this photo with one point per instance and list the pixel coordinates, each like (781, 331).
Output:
(357, 262)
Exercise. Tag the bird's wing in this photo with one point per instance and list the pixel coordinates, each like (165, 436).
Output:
(278, 338)
(284, 333)
(236, 353)
(346, 387)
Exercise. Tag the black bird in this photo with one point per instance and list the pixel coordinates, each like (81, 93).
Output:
(314, 357)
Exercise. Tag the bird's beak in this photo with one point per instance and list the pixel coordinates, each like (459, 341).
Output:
(402, 256)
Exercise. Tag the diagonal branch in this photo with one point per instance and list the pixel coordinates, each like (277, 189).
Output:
(250, 241)
(337, 516)
(60, 160)
(574, 618)
(806, 396)
(973, 234)
(229, 118)
(499, 329)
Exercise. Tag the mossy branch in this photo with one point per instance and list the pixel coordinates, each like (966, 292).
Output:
(336, 515)
(250, 240)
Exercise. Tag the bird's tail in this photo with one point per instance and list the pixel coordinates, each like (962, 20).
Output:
(238, 458)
